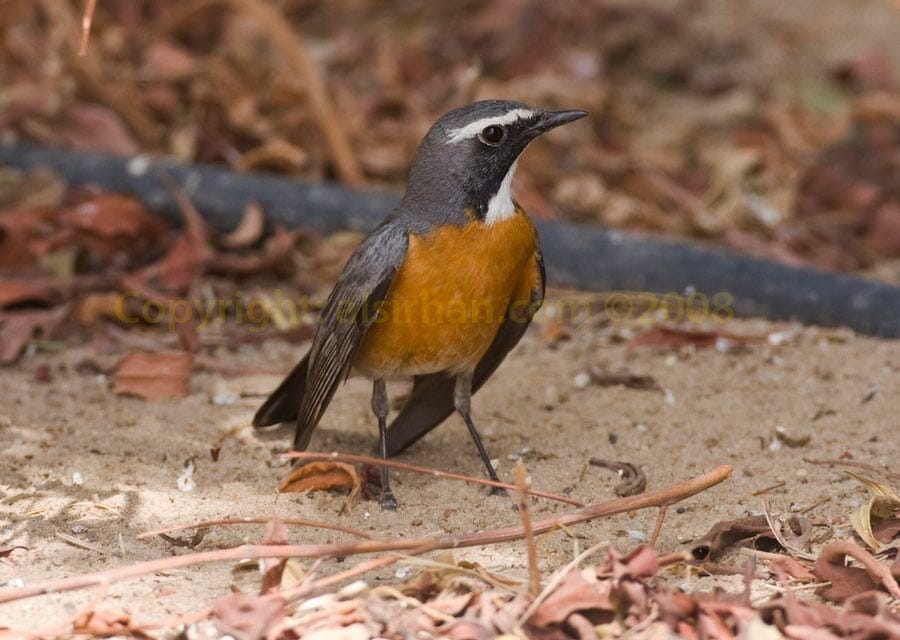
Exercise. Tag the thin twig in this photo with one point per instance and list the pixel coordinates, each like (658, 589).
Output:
(534, 574)
(81, 544)
(300, 522)
(86, 21)
(666, 495)
(347, 457)
(858, 465)
(658, 528)
(777, 485)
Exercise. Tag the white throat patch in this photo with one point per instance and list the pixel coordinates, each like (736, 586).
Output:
(474, 128)
(501, 206)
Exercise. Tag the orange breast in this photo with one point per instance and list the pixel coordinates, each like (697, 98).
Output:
(449, 297)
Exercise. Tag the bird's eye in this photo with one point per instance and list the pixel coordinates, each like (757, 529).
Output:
(493, 135)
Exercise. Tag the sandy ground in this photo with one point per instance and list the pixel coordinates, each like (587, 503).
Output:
(715, 408)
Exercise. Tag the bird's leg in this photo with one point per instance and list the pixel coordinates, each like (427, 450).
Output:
(380, 408)
(462, 400)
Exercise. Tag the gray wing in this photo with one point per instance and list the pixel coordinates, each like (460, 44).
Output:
(348, 313)
(431, 399)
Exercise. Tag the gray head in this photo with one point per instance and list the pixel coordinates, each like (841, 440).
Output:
(467, 160)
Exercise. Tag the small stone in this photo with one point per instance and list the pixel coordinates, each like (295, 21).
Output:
(402, 573)
(669, 397)
(582, 380)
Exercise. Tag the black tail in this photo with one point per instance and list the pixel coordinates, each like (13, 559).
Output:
(430, 403)
(284, 403)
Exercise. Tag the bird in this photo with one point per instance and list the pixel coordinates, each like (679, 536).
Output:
(440, 291)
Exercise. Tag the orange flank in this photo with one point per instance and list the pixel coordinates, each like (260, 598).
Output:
(449, 297)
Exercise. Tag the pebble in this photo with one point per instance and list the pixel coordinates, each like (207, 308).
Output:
(669, 397)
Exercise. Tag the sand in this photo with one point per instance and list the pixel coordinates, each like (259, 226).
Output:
(80, 464)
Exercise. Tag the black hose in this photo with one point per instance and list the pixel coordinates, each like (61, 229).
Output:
(577, 256)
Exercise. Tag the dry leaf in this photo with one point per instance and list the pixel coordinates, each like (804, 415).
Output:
(723, 534)
(96, 306)
(882, 503)
(573, 594)
(18, 291)
(106, 623)
(246, 617)
(17, 329)
(316, 476)
(846, 581)
(249, 230)
(152, 376)
(94, 128)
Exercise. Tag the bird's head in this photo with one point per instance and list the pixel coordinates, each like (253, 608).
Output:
(469, 155)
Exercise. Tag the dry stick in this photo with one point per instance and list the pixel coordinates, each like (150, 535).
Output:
(534, 575)
(347, 457)
(228, 521)
(858, 465)
(658, 528)
(666, 495)
(290, 44)
(777, 485)
(86, 21)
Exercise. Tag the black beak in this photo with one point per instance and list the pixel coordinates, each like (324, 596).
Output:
(552, 119)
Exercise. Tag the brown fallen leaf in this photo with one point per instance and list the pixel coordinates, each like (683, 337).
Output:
(787, 568)
(847, 581)
(316, 476)
(109, 215)
(724, 534)
(19, 291)
(886, 530)
(246, 617)
(91, 127)
(109, 305)
(107, 624)
(153, 376)
(273, 568)
(575, 593)
(18, 328)
(554, 333)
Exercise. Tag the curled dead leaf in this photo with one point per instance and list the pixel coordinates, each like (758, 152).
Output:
(883, 502)
(316, 476)
(249, 230)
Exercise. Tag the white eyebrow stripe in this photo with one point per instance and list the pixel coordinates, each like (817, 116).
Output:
(474, 128)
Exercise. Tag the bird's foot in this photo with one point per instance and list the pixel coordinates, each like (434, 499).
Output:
(388, 501)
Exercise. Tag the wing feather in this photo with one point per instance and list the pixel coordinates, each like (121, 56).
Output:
(346, 316)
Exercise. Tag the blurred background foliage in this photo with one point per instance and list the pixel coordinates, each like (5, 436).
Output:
(767, 126)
